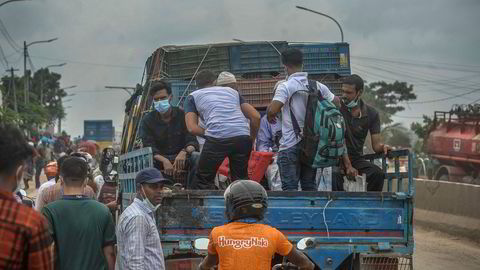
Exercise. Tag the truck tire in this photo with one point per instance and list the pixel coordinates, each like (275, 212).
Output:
(443, 177)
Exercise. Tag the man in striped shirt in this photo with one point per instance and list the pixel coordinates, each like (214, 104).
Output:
(138, 241)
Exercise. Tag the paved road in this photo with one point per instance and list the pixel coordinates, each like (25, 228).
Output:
(435, 250)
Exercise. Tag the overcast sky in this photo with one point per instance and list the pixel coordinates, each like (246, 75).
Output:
(432, 44)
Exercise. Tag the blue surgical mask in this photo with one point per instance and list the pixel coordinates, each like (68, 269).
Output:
(162, 106)
(352, 104)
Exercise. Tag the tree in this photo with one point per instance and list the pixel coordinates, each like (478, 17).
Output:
(422, 130)
(397, 135)
(46, 89)
(385, 98)
(41, 109)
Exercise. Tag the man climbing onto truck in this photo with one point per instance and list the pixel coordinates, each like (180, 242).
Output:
(228, 133)
(245, 243)
(291, 99)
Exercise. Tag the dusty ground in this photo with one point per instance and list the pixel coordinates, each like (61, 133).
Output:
(435, 250)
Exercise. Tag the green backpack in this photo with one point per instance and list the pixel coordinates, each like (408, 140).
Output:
(323, 138)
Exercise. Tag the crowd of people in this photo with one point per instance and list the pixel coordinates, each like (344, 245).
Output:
(70, 229)
(216, 123)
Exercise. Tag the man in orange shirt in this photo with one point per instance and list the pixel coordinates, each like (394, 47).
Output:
(244, 243)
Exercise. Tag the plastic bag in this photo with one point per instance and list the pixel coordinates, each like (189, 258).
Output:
(273, 176)
(357, 185)
(323, 179)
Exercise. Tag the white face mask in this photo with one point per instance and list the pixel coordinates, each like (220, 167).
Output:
(148, 203)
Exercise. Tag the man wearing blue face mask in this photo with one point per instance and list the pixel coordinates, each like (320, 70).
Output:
(164, 130)
(138, 241)
(360, 118)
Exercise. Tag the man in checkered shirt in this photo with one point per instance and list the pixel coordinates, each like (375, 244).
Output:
(138, 241)
(24, 239)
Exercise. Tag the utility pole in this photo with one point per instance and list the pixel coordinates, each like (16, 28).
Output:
(325, 15)
(12, 87)
(25, 55)
(25, 79)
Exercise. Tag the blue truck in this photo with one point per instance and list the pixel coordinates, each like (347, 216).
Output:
(336, 230)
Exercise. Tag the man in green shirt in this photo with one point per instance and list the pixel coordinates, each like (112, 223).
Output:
(82, 228)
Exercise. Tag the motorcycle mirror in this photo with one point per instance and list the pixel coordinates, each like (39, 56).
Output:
(201, 243)
(22, 192)
(115, 160)
(305, 243)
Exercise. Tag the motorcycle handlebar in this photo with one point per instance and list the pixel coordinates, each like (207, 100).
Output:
(285, 266)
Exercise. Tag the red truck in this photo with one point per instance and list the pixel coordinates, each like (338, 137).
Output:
(453, 145)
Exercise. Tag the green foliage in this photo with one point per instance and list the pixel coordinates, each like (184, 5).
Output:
(422, 129)
(9, 116)
(397, 135)
(385, 98)
(44, 105)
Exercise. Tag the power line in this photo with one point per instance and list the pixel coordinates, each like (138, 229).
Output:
(9, 38)
(435, 89)
(429, 77)
(413, 77)
(2, 54)
(430, 65)
(31, 64)
(87, 63)
(416, 90)
(443, 99)
(414, 61)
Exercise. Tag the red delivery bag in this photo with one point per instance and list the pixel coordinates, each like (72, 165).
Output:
(257, 165)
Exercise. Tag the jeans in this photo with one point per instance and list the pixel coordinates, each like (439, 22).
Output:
(192, 164)
(293, 171)
(214, 151)
(375, 176)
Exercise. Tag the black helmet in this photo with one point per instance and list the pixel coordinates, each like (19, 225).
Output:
(245, 199)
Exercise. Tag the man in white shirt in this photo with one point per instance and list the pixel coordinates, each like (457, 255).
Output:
(51, 171)
(290, 168)
(227, 133)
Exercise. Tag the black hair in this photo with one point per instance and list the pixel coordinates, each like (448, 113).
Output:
(14, 149)
(205, 78)
(59, 166)
(355, 80)
(292, 57)
(160, 85)
(74, 169)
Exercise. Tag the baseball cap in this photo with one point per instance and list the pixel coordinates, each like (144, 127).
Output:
(226, 78)
(150, 176)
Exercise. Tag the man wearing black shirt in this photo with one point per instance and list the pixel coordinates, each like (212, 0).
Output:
(164, 130)
(360, 118)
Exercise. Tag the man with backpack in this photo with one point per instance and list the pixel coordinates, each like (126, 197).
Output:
(307, 108)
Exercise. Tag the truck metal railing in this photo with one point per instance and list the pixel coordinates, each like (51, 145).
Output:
(397, 174)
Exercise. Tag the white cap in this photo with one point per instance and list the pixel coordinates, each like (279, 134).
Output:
(226, 78)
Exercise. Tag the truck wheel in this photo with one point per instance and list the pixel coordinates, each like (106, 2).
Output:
(443, 177)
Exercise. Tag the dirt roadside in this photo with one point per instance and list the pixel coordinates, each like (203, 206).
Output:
(436, 250)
